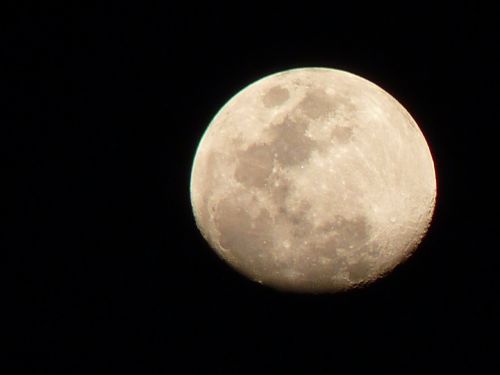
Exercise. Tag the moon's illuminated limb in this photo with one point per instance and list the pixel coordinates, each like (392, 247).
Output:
(313, 180)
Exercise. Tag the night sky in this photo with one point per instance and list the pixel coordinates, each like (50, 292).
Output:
(102, 264)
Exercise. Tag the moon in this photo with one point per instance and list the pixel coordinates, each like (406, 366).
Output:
(313, 180)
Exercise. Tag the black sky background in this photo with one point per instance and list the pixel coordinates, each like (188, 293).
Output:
(103, 267)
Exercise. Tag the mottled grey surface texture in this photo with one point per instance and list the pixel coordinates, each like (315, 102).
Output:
(313, 180)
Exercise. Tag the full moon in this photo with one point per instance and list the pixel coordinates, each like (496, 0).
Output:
(313, 180)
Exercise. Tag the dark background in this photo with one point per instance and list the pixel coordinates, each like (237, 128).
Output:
(103, 267)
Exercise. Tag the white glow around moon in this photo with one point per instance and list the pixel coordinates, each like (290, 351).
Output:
(313, 180)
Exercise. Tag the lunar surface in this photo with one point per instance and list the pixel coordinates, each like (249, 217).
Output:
(313, 180)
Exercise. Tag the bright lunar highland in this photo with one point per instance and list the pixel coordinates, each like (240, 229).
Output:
(313, 180)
